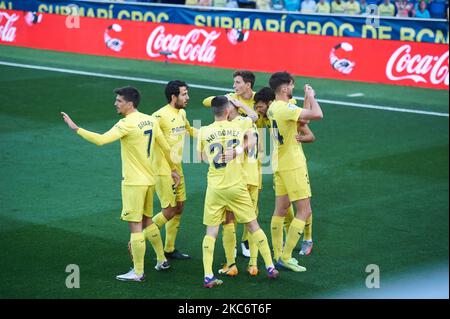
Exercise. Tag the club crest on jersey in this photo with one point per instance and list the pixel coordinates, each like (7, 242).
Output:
(292, 106)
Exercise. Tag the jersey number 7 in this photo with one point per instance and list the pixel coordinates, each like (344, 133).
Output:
(149, 133)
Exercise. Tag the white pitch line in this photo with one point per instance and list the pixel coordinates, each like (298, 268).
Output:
(215, 88)
(355, 94)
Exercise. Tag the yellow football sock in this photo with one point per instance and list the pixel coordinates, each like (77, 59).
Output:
(138, 251)
(229, 242)
(260, 239)
(245, 234)
(253, 252)
(153, 235)
(295, 231)
(307, 235)
(160, 220)
(276, 227)
(288, 219)
(172, 227)
(208, 254)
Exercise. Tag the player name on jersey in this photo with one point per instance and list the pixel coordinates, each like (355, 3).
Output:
(145, 123)
(227, 132)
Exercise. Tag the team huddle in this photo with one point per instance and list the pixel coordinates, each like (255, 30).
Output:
(151, 153)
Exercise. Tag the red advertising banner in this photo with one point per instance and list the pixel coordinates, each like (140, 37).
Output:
(366, 60)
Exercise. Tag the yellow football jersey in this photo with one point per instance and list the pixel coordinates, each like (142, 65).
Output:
(251, 170)
(137, 133)
(250, 102)
(174, 125)
(262, 121)
(288, 153)
(213, 140)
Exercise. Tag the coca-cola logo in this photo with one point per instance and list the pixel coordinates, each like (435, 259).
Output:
(403, 65)
(194, 46)
(7, 31)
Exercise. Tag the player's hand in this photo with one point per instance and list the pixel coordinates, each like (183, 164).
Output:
(228, 155)
(298, 137)
(309, 92)
(303, 122)
(231, 153)
(176, 178)
(235, 102)
(69, 121)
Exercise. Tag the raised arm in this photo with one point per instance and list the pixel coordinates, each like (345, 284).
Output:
(315, 113)
(207, 101)
(250, 112)
(306, 101)
(98, 139)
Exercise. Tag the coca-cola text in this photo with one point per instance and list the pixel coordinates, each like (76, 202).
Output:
(194, 46)
(404, 65)
(7, 31)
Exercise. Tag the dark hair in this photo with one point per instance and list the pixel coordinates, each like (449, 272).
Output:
(247, 76)
(130, 94)
(279, 78)
(173, 88)
(219, 104)
(265, 95)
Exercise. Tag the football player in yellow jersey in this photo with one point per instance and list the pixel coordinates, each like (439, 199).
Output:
(138, 134)
(252, 180)
(263, 98)
(289, 165)
(226, 187)
(174, 125)
(243, 82)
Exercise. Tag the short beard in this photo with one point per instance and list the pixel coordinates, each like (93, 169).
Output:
(179, 106)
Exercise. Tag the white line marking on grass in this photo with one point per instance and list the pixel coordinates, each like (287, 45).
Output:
(382, 107)
(207, 87)
(355, 94)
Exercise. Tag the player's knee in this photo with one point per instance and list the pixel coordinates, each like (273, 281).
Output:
(252, 226)
(212, 231)
(304, 214)
(281, 211)
(169, 212)
(146, 221)
(282, 206)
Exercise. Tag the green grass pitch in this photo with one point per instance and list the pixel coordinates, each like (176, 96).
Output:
(379, 179)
